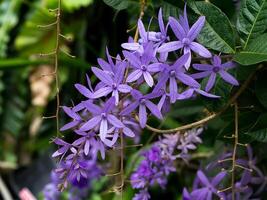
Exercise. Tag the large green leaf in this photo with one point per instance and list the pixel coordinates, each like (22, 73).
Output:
(259, 130)
(255, 52)
(119, 4)
(217, 33)
(252, 21)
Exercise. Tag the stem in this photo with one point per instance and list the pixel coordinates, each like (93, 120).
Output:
(142, 12)
(234, 152)
(56, 64)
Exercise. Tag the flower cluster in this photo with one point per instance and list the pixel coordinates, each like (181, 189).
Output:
(251, 181)
(78, 187)
(158, 161)
(143, 82)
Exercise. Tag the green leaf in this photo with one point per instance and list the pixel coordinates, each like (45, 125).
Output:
(260, 89)
(259, 135)
(119, 4)
(217, 33)
(71, 5)
(252, 20)
(170, 10)
(255, 52)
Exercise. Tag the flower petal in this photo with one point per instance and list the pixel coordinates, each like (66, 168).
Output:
(69, 125)
(114, 121)
(142, 116)
(218, 178)
(200, 50)
(83, 90)
(200, 75)
(170, 46)
(102, 92)
(129, 108)
(153, 109)
(128, 132)
(134, 76)
(202, 177)
(124, 88)
(177, 28)
(188, 80)
(103, 130)
(102, 75)
(228, 77)
(155, 67)
(148, 78)
(173, 89)
(90, 124)
(196, 28)
(203, 67)
(211, 82)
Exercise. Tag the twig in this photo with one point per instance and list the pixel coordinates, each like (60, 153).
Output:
(142, 12)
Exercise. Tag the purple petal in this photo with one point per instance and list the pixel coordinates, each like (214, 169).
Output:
(228, 77)
(109, 105)
(206, 94)
(228, 65)
(148, 78)
(196, 28)
(200, 75)
(83, 90)
(155, 67)
(102, 92)
(92, 107)
(180, 62)
(115, 94)
(79, 141)
(69, 125)
(115, 121)
(128, 132)
(203, 67)
(70, 113)
(184, 20)
(142, 116)
(173, 89)
(177, 28)
(187, 50)
(119, 75)
(129, 108)
(170, 46)
(136, 94)
(136, 74)
(104, 65)
(161, 23)
(188, 80)
(91, 123)
(142, 31)
(200, 50)
(216, 60)
(153, 109)
(103, 130)
(124, 88)
(218, 178)
(202, 177)
(103, 76)
(86, 147)
(110, 143)
(131, 46)
(211, 82)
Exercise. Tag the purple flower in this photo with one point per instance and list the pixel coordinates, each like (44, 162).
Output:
(143, 102)
(109, 66)
(76, 119)
(186, 37)
(84, 90)
(142, 65)
(111, 84)
(138, 46)
(102, 118)
(64, 147)
(212, 70)
(90, 142)
(142, 195)
(175, 73)
(208, 188)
